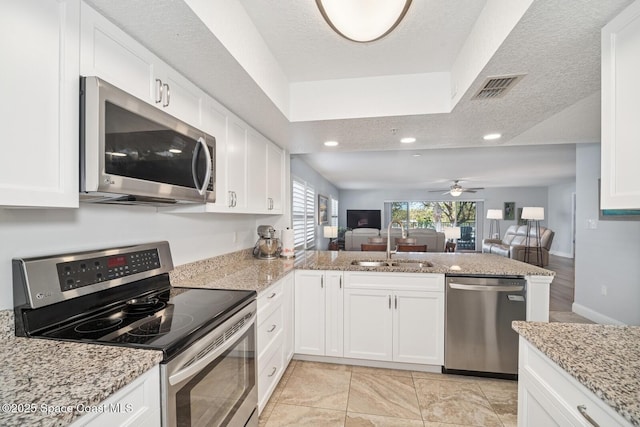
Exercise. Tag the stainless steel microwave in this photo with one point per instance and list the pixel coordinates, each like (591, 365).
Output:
(134, 153)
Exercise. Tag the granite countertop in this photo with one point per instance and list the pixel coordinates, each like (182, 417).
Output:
(240, 270)
(603, 358)
(53, 375)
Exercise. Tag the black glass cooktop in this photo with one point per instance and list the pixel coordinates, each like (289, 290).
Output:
(168, 321)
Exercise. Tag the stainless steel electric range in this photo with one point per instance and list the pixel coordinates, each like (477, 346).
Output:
(123, 297)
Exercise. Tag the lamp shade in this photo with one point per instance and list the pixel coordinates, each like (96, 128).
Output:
(330, 232)
(363, 20)
(535, 213)
(452, 232)
(494, 214)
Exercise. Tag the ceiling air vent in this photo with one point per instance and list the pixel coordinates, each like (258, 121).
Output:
(497, 87)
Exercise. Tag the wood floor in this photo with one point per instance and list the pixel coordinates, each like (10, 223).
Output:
(562, 287)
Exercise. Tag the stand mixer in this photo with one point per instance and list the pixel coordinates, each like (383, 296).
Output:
(268, 245)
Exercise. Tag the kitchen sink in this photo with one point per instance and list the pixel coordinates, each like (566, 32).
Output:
(393, 263)
(372, 263)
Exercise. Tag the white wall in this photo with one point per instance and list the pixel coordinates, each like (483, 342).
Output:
(300, 169)
(31, 232)
(560, 218)
(606, 256)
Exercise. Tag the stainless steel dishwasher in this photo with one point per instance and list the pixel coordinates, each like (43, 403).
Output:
(479, 312)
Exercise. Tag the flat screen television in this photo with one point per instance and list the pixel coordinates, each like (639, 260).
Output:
(363, 219)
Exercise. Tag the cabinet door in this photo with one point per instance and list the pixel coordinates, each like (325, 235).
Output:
(275, 178)
(40, 108)
(215, 123)
(236, 165)
(334, 328)
(309, 312)
(111, 54)
(367, 324)
(620, 105)
(536, 407)
(289, 317)
(256, 173)
(418, 327)
(182, 99)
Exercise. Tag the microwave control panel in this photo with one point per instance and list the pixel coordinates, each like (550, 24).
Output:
(80, 273)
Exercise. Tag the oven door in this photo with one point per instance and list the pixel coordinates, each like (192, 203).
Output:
(213, 382)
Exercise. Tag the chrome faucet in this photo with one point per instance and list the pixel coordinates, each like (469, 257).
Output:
(404, 235)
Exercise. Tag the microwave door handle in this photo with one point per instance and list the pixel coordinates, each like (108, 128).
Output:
(194, 160)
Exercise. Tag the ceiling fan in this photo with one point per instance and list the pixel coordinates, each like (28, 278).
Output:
(456, 189)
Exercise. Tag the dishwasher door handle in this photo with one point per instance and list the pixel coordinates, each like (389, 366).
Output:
(497, 288)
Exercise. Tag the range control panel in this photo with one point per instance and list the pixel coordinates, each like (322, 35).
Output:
(85, 272)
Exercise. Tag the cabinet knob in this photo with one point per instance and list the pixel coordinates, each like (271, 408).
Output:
(158, 91)
(167, 93)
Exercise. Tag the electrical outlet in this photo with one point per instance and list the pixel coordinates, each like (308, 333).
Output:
(603, 290)
(235, 237)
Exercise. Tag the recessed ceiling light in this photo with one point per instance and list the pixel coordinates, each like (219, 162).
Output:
(408, 140)
(417, 155)
(331, 143)
(491, 136)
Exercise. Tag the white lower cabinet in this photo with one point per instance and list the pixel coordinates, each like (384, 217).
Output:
(318, 313)
(394, 317)
(274, 336)
(136, 404)
(549, 396)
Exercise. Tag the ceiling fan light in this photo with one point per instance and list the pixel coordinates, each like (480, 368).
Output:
(455, 192)
(363, 20)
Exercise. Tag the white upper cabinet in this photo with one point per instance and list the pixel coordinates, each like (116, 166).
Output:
(256, 172)
(111, 54)
(620, 111)
(275, 178)
(40, 87)
(249, 168)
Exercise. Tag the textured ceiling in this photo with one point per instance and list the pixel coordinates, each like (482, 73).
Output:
(557, 45)
(307, 49)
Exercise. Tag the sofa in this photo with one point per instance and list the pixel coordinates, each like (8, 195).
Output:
(513, 244)
(434, 240)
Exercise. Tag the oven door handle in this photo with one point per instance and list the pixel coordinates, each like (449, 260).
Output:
(198, 365)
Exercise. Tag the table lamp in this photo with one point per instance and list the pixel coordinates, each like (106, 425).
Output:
(330, 232)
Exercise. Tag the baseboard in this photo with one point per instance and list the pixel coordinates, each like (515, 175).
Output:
(594, 316)
(561, 254)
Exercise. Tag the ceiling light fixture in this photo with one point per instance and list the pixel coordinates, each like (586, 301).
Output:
(363, 20)
(331, 143)
(407, 140)
(492, 136)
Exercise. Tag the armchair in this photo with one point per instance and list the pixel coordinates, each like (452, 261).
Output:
(514, 244)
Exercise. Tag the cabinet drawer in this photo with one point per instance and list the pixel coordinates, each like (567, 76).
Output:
(566, 392)
(269, 299)
(395, 281)
(269, 329)
(270, 367)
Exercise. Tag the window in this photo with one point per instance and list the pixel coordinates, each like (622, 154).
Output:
(334, 212)
(303, 212)
(437, 215)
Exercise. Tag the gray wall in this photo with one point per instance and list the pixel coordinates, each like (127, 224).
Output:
(300, 169)
(607, 256)
(560, 218)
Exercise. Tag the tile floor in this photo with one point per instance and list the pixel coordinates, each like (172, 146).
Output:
(320, 394)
